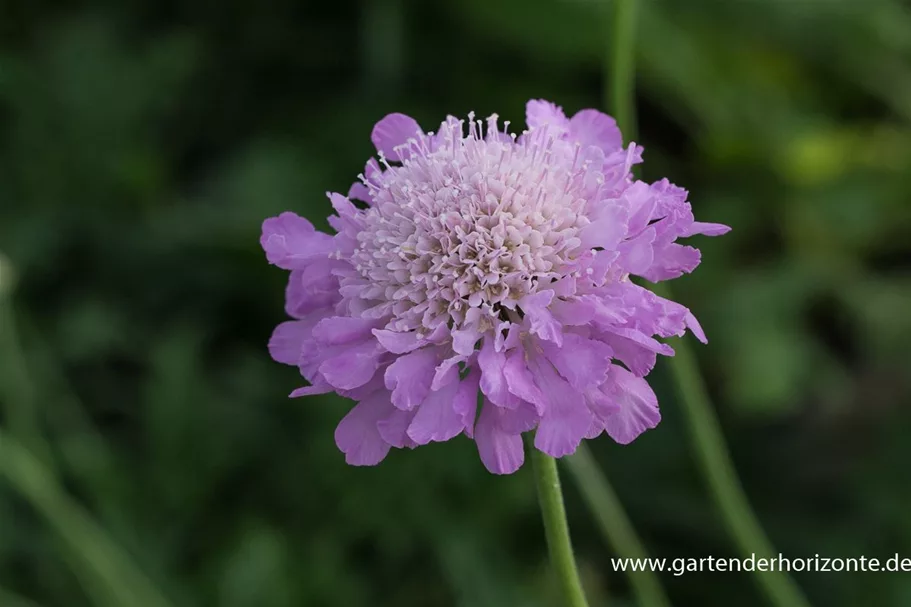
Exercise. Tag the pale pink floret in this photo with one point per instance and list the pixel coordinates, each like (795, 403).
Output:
(485, 263)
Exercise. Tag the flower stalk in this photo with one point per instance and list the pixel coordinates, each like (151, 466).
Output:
(715, 463)
(607, 510)
(707, 438)
(556, 529)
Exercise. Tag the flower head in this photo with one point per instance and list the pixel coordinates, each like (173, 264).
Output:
(481, 287)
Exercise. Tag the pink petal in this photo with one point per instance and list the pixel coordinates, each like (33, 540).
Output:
(638, 359)
(605, 310)
(353, 367)
(493, 383)
(607, 228)
(637, 254)
(464, 340)
(641, 202)
(521, 381)
(311, 289)
(357, 435)
(672, 262)
(340, 330)
(541, 321)
(595, 430)
(574, 312)
(319, 387)
(643, 340)
(582, 362)
(521, 419)
(410, 376)
(601, 403)
(591, 127)
(392, 131)
(366, 390)
(393, 428)
(539, 112)
(398, 343)
(566, 419)
(501, 452)
(707, 229)
(436, 418)
(695, 327)
(291, 242)
(359, 191)
(441, 374)
(287, 341)
(341, 204)
(562, 428)
(465, 402)
(638, 410)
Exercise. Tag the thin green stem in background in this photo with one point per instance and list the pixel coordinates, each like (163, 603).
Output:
(556, 529)
(383, 37)
(705, 431)
(615, 525)
(620, 82)
(17, 391)
(718, 469)
(11, 599)
(108, 574)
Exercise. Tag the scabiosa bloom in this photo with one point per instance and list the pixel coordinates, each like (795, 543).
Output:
(483, 287)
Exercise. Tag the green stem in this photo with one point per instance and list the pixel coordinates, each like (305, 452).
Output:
(16, 387)
(708, 440)
(556, 529)
(622, 66)
(11, 599)
(109, 576)
(615, 525)
(715, 462)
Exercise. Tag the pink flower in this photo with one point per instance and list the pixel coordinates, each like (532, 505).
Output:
(482, 287)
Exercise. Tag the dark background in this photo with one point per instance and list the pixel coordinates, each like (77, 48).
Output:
(142, 142)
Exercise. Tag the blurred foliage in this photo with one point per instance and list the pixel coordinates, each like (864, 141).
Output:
(142, 143)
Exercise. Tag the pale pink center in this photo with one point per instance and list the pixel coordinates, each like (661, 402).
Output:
(469, 225)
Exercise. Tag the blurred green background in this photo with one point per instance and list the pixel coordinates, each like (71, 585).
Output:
(142, 143)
